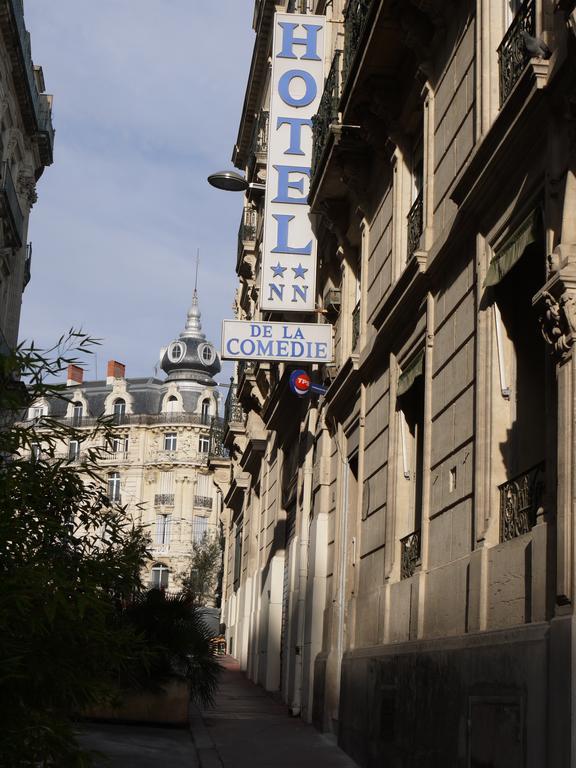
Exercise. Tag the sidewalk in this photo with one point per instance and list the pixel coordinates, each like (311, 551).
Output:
(249, 729)
(136, 746)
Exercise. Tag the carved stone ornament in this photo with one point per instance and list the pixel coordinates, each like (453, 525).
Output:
(558, 323)
(27, 186)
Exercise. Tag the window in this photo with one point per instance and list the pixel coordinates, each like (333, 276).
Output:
(166, 482)
(415, 219)
(205, 411)
(172, 404)
(203, 444)
(170, 440)
(160, 576)
(163, 526)
(237, 554)
(114, 486)
(166, 495)
(38, 411)
(511, 8)
(119, 410)
(204, 488)
(207, 354)
(411, 422)
(119, 445)
(176, 352)
(77, 412)
(73, 450)
(199, 528)
(523, 411)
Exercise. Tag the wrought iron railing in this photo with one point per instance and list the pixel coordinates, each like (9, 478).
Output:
(260, 136)
(354, 24)
(410, 554)
(164, 499)
(12, 207)
(217, 448)
(203, 501)
(415, 223)
(248, 222)
(355, 326)
(327, 112)
(512, 53)
(27, 266)
(520, 500)
(233, 411)
(247, 229)
(143, 419)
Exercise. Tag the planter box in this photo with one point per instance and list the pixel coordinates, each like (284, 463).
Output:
(169, 707)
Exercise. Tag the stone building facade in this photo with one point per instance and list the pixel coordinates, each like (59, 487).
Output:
(400, 551)
(166, 459)
(26, 147)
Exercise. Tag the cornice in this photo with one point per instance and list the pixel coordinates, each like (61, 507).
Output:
(256, 79)
(235, 496)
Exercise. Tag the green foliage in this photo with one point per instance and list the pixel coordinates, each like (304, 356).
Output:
(173, 627)
(73, 634)
(201, 581)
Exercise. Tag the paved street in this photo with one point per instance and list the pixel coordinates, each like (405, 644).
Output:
(133, 746)
(249, 729)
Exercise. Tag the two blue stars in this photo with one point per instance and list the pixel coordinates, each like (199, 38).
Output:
(299, 271)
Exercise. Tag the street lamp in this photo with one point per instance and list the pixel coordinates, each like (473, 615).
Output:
(231, 181)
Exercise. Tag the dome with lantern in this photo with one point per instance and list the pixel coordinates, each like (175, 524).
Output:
(191, 357)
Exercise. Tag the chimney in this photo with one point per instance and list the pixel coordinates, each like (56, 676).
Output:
(74, 376)
(115, 370)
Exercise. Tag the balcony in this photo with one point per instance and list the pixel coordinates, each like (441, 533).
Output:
(410, 554)
(203, 502)
(520, 501)
(512, 54)
(415, 222)
(246, 243)
(35, 106)
(164, 500)
(259, 144)
(217, 449)
(11, 211)
(354, 26)
(139, 419)
(355, 326)
(233, 411)
(327, 112)
(27, 266)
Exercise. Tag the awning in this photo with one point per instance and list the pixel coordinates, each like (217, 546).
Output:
(409, 375)
(513, 248)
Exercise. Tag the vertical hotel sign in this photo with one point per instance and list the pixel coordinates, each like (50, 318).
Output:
(289, 251)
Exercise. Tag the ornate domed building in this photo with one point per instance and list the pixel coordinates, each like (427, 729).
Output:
(167, 445)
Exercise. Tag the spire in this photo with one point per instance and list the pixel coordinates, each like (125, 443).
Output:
(193, 328)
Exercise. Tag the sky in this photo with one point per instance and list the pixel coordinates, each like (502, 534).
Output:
(147, 102)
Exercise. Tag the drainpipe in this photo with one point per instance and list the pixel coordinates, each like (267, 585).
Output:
(308, 472)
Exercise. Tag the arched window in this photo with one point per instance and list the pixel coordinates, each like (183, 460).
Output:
(205, 411)
(119, 410)
(114, 486)
(172, 404)
(77, 413)
(160, 576)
